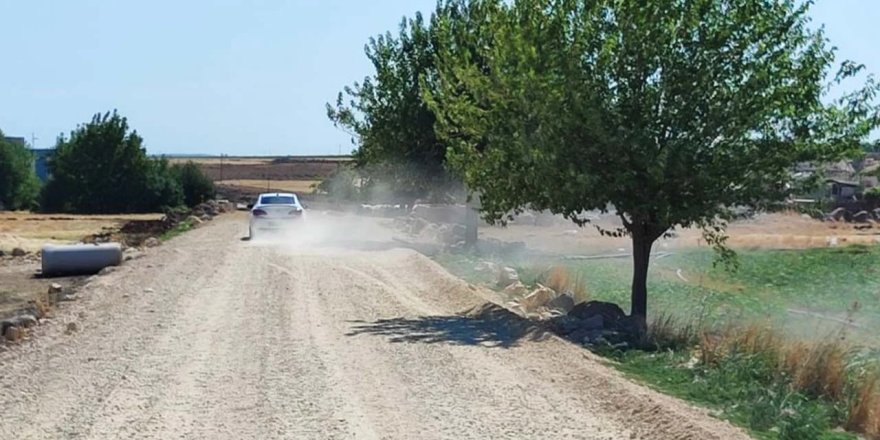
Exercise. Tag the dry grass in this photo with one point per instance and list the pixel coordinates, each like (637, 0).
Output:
(820, 369)
(30, 231)
(297, 186)
(560, 279)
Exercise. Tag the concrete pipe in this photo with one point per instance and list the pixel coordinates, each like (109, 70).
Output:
(80, 258)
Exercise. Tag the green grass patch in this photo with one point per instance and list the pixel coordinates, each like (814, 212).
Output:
(743, 390)
(181, 228)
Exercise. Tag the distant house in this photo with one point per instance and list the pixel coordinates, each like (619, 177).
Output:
(15, 140)
(41, 162)
(842, 190)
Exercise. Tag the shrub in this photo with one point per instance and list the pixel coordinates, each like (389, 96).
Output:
(196, 185)
(18, 182)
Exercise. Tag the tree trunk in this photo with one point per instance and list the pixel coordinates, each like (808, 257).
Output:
(641, 243)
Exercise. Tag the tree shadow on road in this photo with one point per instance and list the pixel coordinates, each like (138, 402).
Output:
(488, 326)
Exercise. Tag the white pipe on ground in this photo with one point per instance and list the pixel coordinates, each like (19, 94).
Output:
(80, 258)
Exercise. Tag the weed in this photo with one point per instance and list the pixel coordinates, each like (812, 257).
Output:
(181, 228)
(560, 279)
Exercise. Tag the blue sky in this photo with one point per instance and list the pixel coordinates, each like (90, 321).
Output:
(230, 76)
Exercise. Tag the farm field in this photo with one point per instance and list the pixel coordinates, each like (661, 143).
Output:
(296, 186)
(808, 278)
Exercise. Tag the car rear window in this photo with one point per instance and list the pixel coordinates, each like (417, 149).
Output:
(277, 200)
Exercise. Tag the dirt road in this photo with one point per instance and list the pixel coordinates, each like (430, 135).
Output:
(213, 337)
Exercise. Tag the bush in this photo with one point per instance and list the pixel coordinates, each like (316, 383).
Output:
(196, 185)
(18, 182)
(103, 168)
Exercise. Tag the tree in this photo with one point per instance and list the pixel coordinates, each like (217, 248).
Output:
(388, 118)
(18, 182)
(196, 185)
(667, 112)
(104, 168)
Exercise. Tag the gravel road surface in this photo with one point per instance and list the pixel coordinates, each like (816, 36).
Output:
(214, 337)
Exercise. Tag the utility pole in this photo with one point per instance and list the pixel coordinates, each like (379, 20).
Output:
(221, 167)
(33, 141)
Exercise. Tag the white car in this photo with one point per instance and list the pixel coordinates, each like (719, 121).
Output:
(275, 211)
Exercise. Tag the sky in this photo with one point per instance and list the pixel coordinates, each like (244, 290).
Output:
(231, 77)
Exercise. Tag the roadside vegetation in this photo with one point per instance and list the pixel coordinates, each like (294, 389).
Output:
(103, 167)
(19, 186)
(730, 340)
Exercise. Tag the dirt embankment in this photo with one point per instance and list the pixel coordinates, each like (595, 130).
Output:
(212, 337)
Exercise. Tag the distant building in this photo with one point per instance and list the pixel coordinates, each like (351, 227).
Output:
(15, 140)
(41, 159)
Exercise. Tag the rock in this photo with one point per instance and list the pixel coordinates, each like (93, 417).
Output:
(516, 289)
(876, 213)
(539, 297)
(839, 214)
(206, 217)
(2, 253)
(507, 276)
(610, 312)
(562, 303)
(632, 326)
(831, 241)
(55, 289)
(25, 321)
(861, 217)
(18, 252)
(12, 333)
(68, 297)
(149, 290)
(194, 220)
(152, 242)
(72, 327)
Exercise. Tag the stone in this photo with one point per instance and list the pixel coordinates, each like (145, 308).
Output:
(516, 289)
(26, 321)
(538, 298)
(861, 217)
(12, 333)
(55, 289)
(876, 213)
(152, 242)
(194, 220)
(610, 312)
(206, 217)
(839, 214)
(562, 303)
(18, 252)
(507, 276)
(72, 327)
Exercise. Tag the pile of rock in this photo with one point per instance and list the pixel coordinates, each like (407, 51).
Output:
(589, 323)
(540, 302)
(208, 210)
(450, 235)
(844, 215)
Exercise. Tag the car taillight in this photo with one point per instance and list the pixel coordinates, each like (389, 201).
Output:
(259, 213)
